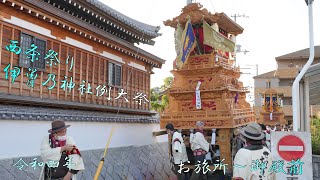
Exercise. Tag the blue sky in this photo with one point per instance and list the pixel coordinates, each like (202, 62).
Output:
(273, 28)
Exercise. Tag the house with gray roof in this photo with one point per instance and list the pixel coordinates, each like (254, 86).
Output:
(281, 79)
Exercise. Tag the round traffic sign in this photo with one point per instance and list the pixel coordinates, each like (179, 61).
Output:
(291, 148)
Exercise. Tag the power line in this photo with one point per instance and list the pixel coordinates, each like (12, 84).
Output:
(238, 15)
(212, 6)
(238, 50)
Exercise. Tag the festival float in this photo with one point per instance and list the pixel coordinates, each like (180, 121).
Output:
(206, 84)
(271, 111)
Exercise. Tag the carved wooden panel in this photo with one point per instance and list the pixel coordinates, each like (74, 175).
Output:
(243, 121)
(218, 89)
(209, 106)
(188, 106)
(191, 124)
(203, 59)
(276, 117)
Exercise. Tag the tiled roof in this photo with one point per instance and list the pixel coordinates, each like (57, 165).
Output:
(279, 73)
(287, 72)
(270, 74)
(62, 14)
(142, 27)
(301, 54)
(19, 112)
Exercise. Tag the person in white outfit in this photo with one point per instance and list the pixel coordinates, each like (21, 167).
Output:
(178, 151)
(59, 152)
(200, 148)
(254, 160)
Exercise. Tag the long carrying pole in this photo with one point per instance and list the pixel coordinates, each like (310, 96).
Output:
(96, 176)
(295, 87)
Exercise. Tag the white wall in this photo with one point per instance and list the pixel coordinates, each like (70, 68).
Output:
(261, 82)
(23, 138)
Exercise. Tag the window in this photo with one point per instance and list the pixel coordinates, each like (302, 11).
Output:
(25, 43)
(223, 32)
(291, 83)
(114, 73)
(268, 84)
(291, 64)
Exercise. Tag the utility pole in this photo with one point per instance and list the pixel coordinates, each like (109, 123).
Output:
(238, 15)
(257, 66)
(247, 66)
(239, 50)
(239, 46)
(189, 2)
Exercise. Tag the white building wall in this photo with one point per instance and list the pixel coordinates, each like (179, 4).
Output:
(261, 82)
(23, 138)
(286, 82)
(287, 101)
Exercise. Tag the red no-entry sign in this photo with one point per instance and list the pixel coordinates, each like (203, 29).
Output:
(291, 148)
(288, 146)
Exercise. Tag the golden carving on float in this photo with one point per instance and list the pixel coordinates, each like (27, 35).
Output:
(196, 13)
(272, 109)
(201, 59)
(222, 95)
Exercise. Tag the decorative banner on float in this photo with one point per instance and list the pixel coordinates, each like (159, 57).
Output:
(213, 138)
(216, 40)
(198, 98)
(188, 43)
(177, 39)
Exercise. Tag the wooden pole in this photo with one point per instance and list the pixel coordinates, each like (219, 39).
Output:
(96, 177)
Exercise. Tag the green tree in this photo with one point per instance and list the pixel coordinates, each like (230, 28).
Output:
(315, 135)
(167, 83)
(159, 101)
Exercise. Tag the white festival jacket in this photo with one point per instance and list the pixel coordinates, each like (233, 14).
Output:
(198, 141)
(179, 151)
(245, 163)
(54, 154)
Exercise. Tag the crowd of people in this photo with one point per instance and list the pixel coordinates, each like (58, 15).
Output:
(268, 129)
(199, 146)
(277, 127)
(252, 142)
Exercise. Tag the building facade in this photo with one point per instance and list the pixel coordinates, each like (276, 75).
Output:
(76, 54)
(281, 80)
(77, 61)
